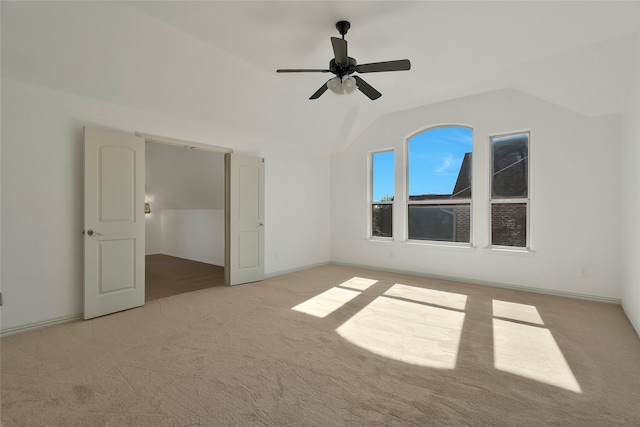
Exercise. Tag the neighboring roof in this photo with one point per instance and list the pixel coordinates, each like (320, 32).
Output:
(509, 176)
(510, 167)
(462, 189)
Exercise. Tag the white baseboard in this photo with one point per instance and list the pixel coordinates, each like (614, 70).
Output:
(293, 270)
(634, 322)
(39, 325)
(596, 298)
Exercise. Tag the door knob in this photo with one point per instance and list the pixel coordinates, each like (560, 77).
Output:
(92, 232)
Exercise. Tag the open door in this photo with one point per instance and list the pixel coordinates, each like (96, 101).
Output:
(113, 222)
(244, 215)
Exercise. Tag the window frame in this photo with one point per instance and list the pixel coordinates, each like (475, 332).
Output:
(409, 202)
(511, 200)
(371, 201)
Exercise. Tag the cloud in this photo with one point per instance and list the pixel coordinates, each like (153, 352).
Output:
(446, 163)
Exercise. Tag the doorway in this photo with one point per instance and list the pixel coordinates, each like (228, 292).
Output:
(115, 219)
(167, 276)
(184, 225)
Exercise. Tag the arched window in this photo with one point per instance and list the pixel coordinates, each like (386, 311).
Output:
(439, 184)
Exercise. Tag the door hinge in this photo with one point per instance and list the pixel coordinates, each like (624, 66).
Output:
(0, 299)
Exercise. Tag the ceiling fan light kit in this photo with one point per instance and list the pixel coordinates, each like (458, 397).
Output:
(349, 84)
(343, 66)
(335, 85)
(346, 84)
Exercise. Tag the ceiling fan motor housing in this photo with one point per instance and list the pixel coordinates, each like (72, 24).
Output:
(343, 70)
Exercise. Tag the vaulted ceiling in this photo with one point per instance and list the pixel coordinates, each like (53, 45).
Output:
(214, 62)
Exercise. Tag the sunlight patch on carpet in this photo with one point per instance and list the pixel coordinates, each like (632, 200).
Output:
(359, 283)
(327, 302)
(407, 331)
(429, 296)
(531, 352)
(514, 311)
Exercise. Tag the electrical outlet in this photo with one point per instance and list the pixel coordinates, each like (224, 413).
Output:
(584, 273)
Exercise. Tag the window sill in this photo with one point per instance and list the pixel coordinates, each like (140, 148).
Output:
(513, 252)
(441, 245)
(380, 239)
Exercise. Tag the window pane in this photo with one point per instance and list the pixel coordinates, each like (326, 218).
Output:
(449, 223)
(382, 184)
(509, 224)
(381, 220)
(510, 172)
(440, 164)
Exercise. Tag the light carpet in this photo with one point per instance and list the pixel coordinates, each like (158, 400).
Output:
(331, 346)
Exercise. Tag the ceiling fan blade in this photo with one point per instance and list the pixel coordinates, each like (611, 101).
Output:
(376, 67)
(319, 92)
(301, 70)
(340, 50)
(367, 89)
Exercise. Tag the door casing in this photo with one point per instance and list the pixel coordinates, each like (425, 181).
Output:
(141, 138)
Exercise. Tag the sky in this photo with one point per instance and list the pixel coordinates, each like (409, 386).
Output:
(435, 157)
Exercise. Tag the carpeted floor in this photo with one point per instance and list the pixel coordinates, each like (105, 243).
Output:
(166, 276)
(331, 346)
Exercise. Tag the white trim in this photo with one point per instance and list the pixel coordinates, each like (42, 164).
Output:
(506, 250)
(294, 270)
(183, 143)
(441, 125)
(437, 202)
(435, 244)
(39, 325)
(596, 298)
(634, 322)
(381, 239)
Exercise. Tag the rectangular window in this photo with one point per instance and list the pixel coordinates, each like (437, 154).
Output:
(439, 183)
(382, 193)
(510, 190)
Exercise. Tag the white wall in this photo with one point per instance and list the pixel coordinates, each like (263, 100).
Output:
(631, 195)
(182, 178)
(197, 235)
(0, 205)
(185, 189)
(42, 185)
(153, 230)
(575, 192)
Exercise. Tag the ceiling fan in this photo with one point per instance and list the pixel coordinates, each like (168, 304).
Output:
(343, 66)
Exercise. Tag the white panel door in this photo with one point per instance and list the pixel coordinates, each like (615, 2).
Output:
(245, 219)
(113, 222)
